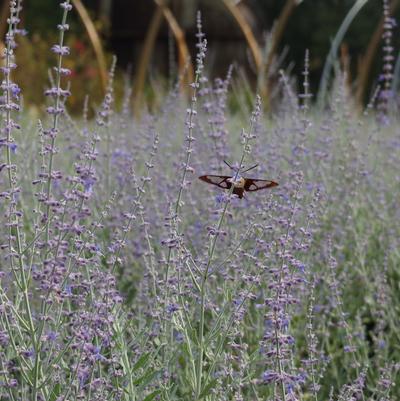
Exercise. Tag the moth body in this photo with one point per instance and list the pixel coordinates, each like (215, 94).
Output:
(238, 182)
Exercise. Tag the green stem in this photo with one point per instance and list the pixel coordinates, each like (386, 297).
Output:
(13, 218)
(55, 124)
(199, 371)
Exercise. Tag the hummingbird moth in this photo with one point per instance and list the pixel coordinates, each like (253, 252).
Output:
(240, 184)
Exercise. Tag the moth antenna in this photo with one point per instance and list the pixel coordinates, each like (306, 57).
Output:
(251, 168)
(228, 165)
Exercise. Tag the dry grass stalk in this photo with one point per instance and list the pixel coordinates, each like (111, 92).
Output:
(94, 39)
(148, 48)
(247, 32)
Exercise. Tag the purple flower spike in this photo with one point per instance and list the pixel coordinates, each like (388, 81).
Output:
(63, 71)
(13, 147)
(15, 90)
(63, 27)
(269, 376)
(60, 50)
(66, 6)
(172, 308)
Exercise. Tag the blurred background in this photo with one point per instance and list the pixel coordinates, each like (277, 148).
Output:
(153, 39)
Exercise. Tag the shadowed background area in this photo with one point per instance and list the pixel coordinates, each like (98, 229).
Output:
(153, 40)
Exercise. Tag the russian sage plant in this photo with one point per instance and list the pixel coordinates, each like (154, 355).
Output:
(124, 277)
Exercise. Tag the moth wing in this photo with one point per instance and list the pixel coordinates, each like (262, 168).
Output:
(253, 184)
(221, 181)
